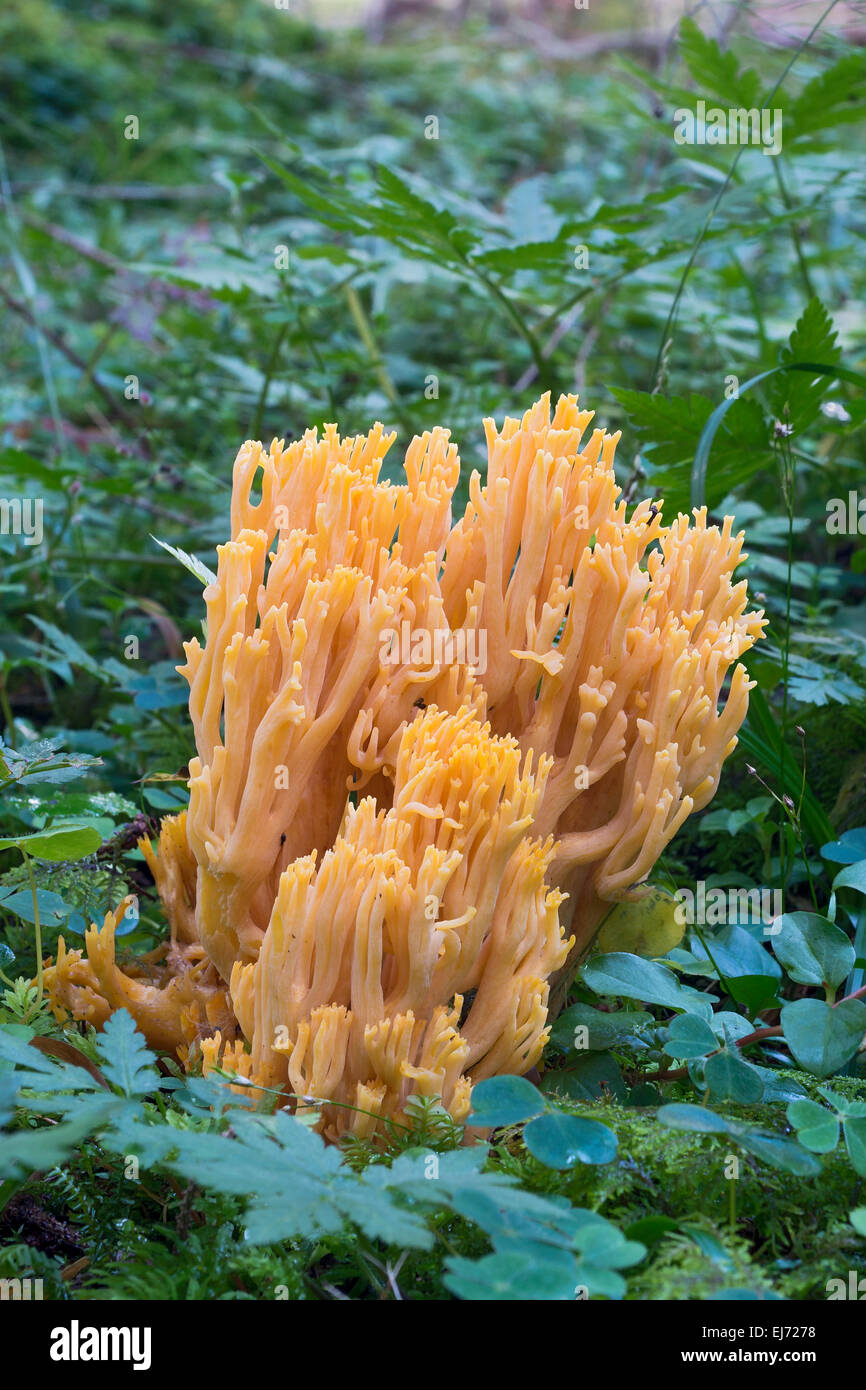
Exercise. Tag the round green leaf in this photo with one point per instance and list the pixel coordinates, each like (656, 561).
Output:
(857, 1217)
(817, 1127)
(644, 1094)
(599, 1283)
(781, 1153)
(606, 1245)
(592, 1076)
(823, 1038)
(690, 1036)
(813, 950)
(729, 1077)
(513, 1276)
(680, 1115)
(730, 1027)
(777, 1088)
(854, 1127)
(53, 911)
(852, 877)
(505, 1100)
(602, 1030)
(69, 841)
(164, 801)
(619, 973)
(559, 1141)
(756, 992)
(649, 1230)
(848, 849)
(735, 951)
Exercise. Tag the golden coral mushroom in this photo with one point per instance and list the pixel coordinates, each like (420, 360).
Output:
(609, 641)
(174, 994)
(174, 870)
(361, 973)
(429, 756)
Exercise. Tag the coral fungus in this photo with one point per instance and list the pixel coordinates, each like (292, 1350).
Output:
(392, 850)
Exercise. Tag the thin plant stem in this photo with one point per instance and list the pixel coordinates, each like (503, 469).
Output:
(256, 428)
(37, 925)
(377, 360)
(6, 709)
(795, 235)
(789, 467)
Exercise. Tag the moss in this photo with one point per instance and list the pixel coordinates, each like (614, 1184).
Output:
(266, 1273)
(790, 1234)
(849, 1087)
(830, 1252)
(677, 1268)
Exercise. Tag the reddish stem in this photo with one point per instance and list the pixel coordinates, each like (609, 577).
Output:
(776, 1031)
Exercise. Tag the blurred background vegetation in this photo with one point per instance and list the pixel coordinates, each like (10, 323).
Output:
(222, 220)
